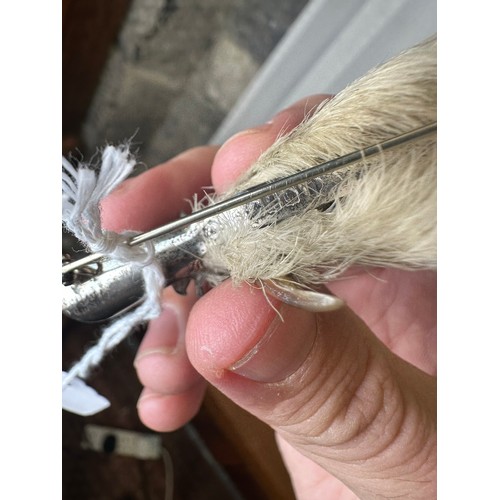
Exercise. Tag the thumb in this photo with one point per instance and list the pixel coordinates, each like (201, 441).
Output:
(325, 383)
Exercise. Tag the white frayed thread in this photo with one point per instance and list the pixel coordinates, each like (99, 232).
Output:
(83, 188)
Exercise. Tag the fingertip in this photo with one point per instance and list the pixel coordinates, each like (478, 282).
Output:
(166, 372)
(161, 363)
(167, 412)
(159, 194)
(239, 335)
(224, 325)
(238, 153)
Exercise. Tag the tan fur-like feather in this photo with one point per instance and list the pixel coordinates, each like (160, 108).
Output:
(385, 217)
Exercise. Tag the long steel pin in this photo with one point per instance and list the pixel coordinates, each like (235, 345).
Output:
(264, 189)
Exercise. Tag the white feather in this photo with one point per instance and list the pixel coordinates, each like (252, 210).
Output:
(385, 217)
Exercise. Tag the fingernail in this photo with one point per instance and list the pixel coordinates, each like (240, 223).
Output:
(163, 335)
(296, 113)
(281, 350)
(281, 116)
(251, 131)
(122, 188)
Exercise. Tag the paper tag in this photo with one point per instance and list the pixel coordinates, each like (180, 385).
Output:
(79, 398)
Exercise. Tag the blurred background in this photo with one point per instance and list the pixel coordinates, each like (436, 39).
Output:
(164, 71)
(174, 74)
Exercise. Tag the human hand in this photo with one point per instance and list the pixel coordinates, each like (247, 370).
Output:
(351, 393)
